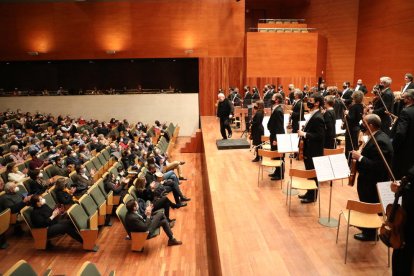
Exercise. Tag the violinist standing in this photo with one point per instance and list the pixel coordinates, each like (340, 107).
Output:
(353, 117)
(403, 258)
(387, 97)
(330, 122)
(256, 127)
(371, 167)
(298, 111)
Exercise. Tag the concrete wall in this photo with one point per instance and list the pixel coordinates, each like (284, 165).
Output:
(181, 109)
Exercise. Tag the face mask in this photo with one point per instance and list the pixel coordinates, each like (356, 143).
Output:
(381, 86)
(272, 102)
(310, 105)
(363, 128)
(40, 175)
(16, 189)
(344, 87)
(74, 154)
(43, 201)
(83, 170)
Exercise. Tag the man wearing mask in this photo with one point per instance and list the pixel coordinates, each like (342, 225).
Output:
(275, 126)
(12, 199)
(313, 137)
(247, 96)
(280, 91)
(371, 167)
(291, 89)
(234, 97)
(267, 95)
(225, 113)
(298, 111)
(402, 136)
(330, 122)
(347, 93)
(381, 106)
(361, 87)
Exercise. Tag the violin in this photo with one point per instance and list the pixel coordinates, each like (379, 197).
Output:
(392, 230)
(300, 146)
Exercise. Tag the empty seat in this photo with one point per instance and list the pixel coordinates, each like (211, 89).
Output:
(39, 234)
(22, 268)
(4, 226)
(91, 209)
(90, 269)
(81, 221)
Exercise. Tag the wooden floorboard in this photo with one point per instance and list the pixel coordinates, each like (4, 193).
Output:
(255, 234)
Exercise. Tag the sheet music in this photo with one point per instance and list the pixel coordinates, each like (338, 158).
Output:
(331, 167)
(264, 124)
(287, 142)
(385, 194)
(323, 168)
(338, 127)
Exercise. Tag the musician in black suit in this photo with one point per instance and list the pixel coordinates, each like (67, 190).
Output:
(313, 136)
(347, 93)
(353, 117)
(361, 87)
(280, 91)
(234, 97)
(135, 221)
(267, 95)
(298, 111)
(225, 113)
(402, 136)
(291, 95)
(409, 83)
(256, 94)
(330, 123)
(387, 98)
(403, 258)
(275, 125)
(371, 167)
(257, 129)
(247, 96)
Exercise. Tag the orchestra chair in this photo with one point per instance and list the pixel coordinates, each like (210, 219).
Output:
(301, 180)
(23, 268)
(265, 139)
(362, 215)
(267, 161)
(327, 152)
(137, 238)
(90, 269)
(88, 232)
(4, 226)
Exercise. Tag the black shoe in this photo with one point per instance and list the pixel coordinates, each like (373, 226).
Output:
(182, 162)
(182, 178)
(307, 200)
(229, 135)
(272, 174)
(151, 235)
(182, 204)
(363, 237)
(302, 196)
(256, 159)
(185, 199)
(171, 220)
(172, 223)
(49, 245)
(173, 241)
(224, 139)
(276, 178)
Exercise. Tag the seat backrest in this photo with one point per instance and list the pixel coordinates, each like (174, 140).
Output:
(4, 220)
(133, 192)
(88, 269)
(96, 163)
(302, 173)
(27, 215)
(78, 216)
(97, 195)
(50, 201)
(364, 207)
(101, 158)
(21, 268)
(89, 166)
(121, 212)
(88, 204)
(106, 154)
(100, 184)
(127, 198)
(47, 170)
(333, 151)
(270, 154)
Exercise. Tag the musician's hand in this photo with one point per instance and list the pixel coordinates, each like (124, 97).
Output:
(230, 116)
(301, 133)
(346, 112)
(274, 143)
(395, 186)
(356, 155)
(387, 112)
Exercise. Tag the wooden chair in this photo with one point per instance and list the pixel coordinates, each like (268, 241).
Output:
(267, 161)
(127, 198)
(4, 226)
(88, 233)
(90, 269)
(100, 201)
(265, 139)
(361, 214)
(39, 234)
(334, 152)
(13, 217)
(305, 183)
(22, 268)
(91, 210)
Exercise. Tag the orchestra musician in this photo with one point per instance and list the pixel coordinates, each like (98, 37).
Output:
(313, 136)
(330, 122)
(403, 258)
(247, 96)
(371, 168)
(256, 94)
(256, 127)
(275, 125)
(353, 116)
(386, 102)
(234, 96)
(267, 95)
(347, 93)
(225, 112)
(298, 111)
(409, 82)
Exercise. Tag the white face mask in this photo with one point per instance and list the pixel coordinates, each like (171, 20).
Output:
(16, 189)
(40, 175)
(43, 201)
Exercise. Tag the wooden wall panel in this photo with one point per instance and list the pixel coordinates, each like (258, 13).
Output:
(384, 46)
(216, 73)
(135, 29)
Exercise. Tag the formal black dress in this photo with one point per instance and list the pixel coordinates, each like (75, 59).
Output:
(257, 130)
(353, 118)
(330, 131)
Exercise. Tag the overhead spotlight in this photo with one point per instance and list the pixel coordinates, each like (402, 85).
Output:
(111, 52)
(33, 53)
(189, 51)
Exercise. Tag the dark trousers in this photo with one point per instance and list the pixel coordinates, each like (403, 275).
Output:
(225, 124)
(165, 204)
(403, 261)
(63, 226)
(278, 170)
(173, 187)
(310, 194)
(352, 135)
(159, 220)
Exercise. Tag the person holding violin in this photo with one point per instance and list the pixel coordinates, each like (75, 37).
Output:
(256, 127)
(371, 167)
(353, 116)
(275, 125)
(403, 258)
(298, 111)
(330, 122)
(384, 102)
(313, 136)
(402, 136)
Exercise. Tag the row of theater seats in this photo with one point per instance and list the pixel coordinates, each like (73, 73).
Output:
(23, 268)
(284, 30)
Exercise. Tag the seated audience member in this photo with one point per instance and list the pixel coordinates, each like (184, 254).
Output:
(63, 194)
(12, 199)
(36, 162)
(73, 158)
(59, 168)
(135, 221)
(44, 216)
(16, 155)
(37, 184)
(84, 153)
(162, 161)
(77, 139)
(1, 184)
(15, 141)
(36, 146)
(115, 151)
(116, 184)
(102, 129)
(13, 173)
(81, 180)
(52, 153)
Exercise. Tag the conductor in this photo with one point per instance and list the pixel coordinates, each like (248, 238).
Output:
(225, 113)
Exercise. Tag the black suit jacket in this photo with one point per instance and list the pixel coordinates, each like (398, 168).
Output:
(275, 124)
(362, 88)
(136, 222)
(314, 140)
(410, 86)
(388, 98)
(347, 96)
(372, 168)
(330, 131)
(402, 135)
(257, 129)
(224, 109)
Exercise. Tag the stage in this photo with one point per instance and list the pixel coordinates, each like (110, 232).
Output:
(249, 231)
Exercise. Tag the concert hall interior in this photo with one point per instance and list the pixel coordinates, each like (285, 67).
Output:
(114, 115)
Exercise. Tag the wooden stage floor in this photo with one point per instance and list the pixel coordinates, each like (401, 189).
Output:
(256, 236)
